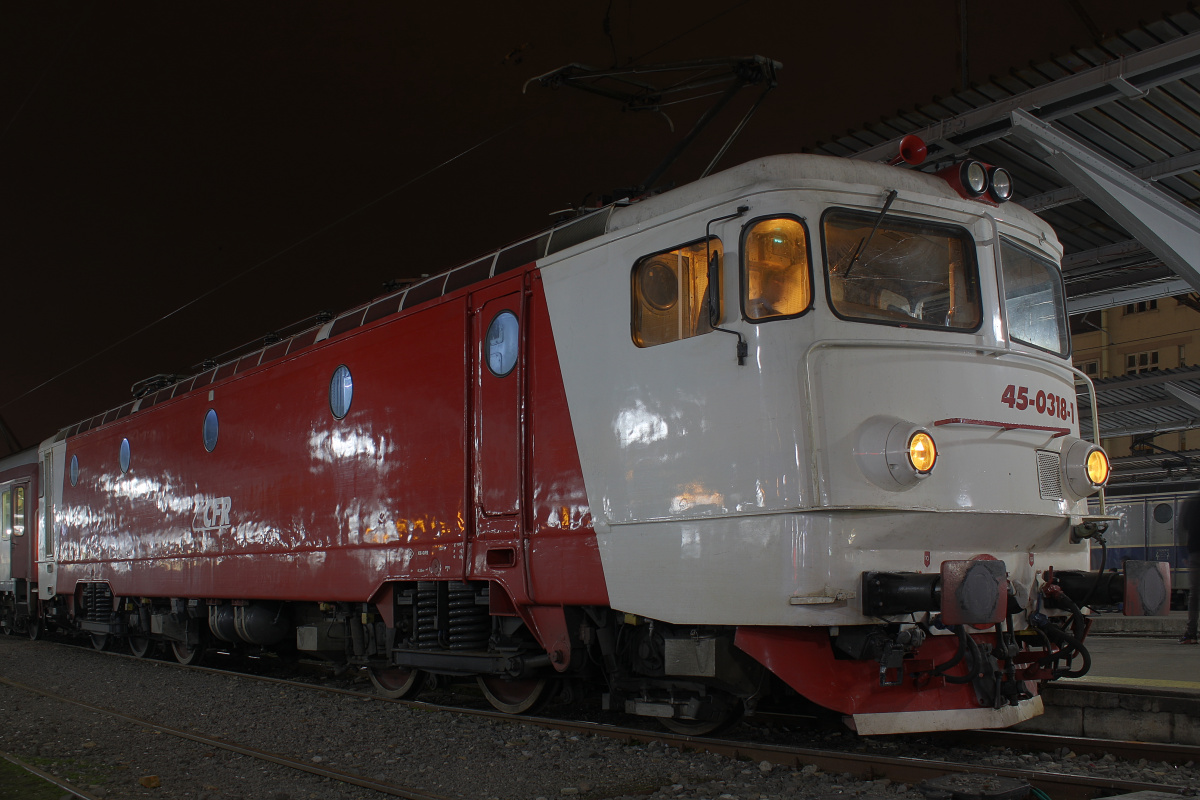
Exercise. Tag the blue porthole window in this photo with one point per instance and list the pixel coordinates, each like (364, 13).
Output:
(501, 344)
(124, 456)
(74, 470)
(341, 392)
(210, 430)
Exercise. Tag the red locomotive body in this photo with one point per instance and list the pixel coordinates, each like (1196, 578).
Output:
(433, 472)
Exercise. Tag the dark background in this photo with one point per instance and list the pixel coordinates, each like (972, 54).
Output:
(177, 179)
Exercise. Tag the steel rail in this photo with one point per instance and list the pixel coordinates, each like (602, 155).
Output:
(224, 744)
(1060, 786)
(66, 786)
(1042, 742)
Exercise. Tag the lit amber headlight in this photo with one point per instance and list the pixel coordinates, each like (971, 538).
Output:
(922, 452)
(1097, 467)
(910, 453)
(1085, 466)
(894, 454)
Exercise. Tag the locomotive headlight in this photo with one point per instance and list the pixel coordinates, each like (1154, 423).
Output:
(922, 452)
(910, 453)
(1085, 467)
(893, 453)
(1097, 467)
(974, 178)
(1000, 185)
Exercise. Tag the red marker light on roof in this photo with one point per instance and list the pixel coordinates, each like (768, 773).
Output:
(912, 151)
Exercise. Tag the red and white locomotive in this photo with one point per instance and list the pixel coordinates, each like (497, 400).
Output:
(803, 427)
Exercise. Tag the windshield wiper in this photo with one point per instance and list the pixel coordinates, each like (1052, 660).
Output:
(866, 240)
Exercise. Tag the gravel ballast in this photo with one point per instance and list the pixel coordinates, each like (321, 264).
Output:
(438, 752)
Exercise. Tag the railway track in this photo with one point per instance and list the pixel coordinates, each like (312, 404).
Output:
(864, 766)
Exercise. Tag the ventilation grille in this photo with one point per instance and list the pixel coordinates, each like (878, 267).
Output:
(1049, 483)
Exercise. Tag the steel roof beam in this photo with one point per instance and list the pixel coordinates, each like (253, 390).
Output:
(1178, 165)
(1143, 70)
(1189, 399)
(1152, 378)
(1102, 255)
(1165, 226)
(1138, 430)
(1153, 291)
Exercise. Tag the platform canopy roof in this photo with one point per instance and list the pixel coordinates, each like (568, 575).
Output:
(1104, 144)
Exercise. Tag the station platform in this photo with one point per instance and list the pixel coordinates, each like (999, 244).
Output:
(1143, 685)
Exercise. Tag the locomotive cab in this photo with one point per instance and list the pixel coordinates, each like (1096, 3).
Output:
(897, 460)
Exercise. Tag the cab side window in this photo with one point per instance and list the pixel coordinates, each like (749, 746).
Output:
(670, 293)
(776, 280)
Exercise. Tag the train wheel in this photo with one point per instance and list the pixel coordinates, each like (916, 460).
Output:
(6, 625)
(100, 641)
(186, 654)
(690, 727)
(34, 628)
(140, 646)
(516, 696)
(395, 683)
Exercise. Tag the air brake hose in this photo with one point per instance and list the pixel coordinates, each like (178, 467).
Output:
(1054, 632)
(966, 646)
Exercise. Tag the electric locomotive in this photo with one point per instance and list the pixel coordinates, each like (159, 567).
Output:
(805, 428)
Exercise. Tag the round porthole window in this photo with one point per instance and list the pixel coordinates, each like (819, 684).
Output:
(341, 392)
(74, 470)
(124, 456)
(1163, 512)
(210, 430)
(501, 344)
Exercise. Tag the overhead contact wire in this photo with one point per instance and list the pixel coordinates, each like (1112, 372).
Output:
(304, 240)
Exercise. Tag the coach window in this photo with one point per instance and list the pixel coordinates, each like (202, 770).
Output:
(341, 392)
(75, 470)
(210, 430)
(903, 272)
(670, 297)
(18, 517)
(775, 273)
(124, 456)
(1033, 299)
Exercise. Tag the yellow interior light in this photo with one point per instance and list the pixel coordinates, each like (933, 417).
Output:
(1097, 467)
(922, 452)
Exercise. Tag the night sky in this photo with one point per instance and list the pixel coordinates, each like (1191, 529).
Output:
(177, 179)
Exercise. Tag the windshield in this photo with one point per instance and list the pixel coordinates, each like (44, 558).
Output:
(908, 273)
(1033, 299)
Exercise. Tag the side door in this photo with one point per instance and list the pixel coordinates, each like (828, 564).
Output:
(50, 489)
(497, 375)
(6, 535)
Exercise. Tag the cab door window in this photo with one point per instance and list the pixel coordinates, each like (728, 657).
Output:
(776, 279)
